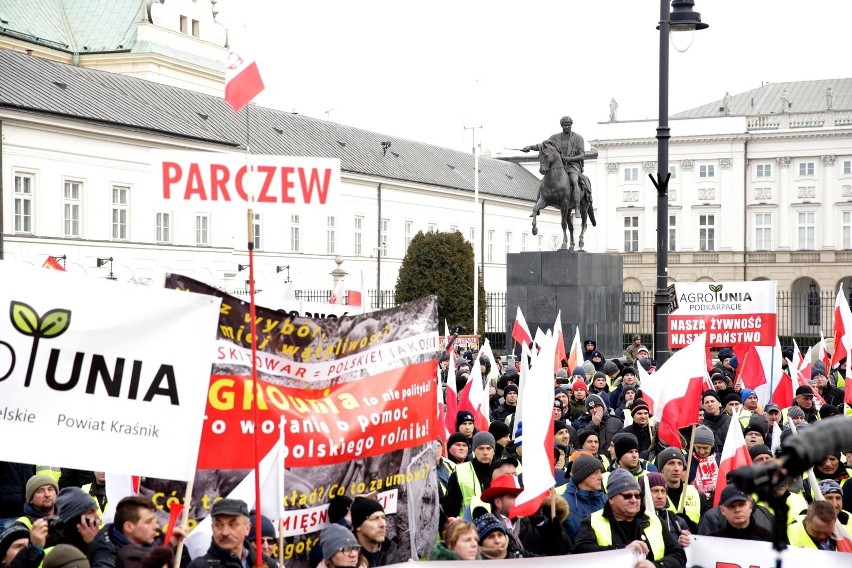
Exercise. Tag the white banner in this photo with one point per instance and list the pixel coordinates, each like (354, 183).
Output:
(713, 552)
(207, 180)
(104, 376)
(729, 312)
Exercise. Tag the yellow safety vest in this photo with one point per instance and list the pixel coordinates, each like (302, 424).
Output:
(468, 482)
(691, 504)
(799, 537)
(653, 533)
(796, 504)
(24, 521)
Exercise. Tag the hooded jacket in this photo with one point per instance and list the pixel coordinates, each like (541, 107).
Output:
(587, 355)
(581, 504)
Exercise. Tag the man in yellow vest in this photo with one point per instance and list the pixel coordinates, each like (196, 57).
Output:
(623, 523)
(41, 491)
(470, 478)
(815, 530)
(671, 464)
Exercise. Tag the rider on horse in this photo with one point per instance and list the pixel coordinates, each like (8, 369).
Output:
(571, 145)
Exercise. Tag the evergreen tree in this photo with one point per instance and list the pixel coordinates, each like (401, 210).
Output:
(441, 264)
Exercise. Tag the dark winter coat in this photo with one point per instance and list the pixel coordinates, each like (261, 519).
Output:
(581, 504)
(674, 556)
(719, 425)
(606, 430)
(13, 482)
(217, 557)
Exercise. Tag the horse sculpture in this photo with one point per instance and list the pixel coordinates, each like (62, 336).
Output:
(554, 190)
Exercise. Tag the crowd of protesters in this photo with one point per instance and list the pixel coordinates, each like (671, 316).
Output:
(617, 485)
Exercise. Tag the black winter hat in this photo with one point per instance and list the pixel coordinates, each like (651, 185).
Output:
(510, 388)
(338, 506)
(73, 502)
(363, 507)
(10, 535)
(499, 429)
(624, 443)
(462, 417)
(266, 526)
(457, 437)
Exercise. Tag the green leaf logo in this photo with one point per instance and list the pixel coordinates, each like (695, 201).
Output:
(715, 287)
(27, 321)
(24, 318)
(54, 323)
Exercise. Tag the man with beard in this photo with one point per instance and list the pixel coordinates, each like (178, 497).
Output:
(623, 523)
(370, 528)
(40, 494)
(230, 547)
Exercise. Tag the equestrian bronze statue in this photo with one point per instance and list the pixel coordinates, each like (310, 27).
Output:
(564, 184)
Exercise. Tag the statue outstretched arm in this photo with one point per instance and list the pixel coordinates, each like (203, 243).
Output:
(535, 147)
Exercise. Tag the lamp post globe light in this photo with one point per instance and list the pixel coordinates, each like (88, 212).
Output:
(678, 17)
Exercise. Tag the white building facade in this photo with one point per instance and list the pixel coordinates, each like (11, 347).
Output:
(755, 193)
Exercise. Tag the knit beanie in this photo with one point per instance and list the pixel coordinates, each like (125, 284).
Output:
(559, 425)
(584, 435)
(667, 455)
(73, 502)
(759, 450)
(744, 394)
(638, 405)
(266, 526)
(338, 506)
(754, 427)
(37, 481)
(455, 438)
(484, 439)
(632, 388)
(656, 479)
(584, 466)
(499, 429)
(712, 393)
(795, 412)
(594, 400)
(624, 442)
(732, 397)
(579, 371)
(610, 368)
(580, 384)
(562, 375)
(704, 435)
(10, 535)
(511, 387)
(363, 507)
(519, 434)
(66, 556)
(334, 537)
(463, 416)
(620, 481)
(487, 524)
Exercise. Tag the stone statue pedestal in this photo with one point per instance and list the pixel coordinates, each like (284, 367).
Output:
(586, 287)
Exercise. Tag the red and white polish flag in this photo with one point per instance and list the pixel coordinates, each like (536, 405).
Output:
(842, 339)
(734, 455)
(673, 392)
(242, 81)
(520, 330)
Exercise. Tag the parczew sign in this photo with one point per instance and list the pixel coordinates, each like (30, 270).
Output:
(730, 313)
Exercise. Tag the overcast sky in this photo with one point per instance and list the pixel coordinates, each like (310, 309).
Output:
(425, 70)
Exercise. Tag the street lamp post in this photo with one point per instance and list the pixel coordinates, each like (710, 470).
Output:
(681, 18)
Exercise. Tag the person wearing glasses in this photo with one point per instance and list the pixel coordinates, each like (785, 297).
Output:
(340, 548)
(624, 523)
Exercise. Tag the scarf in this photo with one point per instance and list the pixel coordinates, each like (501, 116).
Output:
(706, 472)
(493, 553)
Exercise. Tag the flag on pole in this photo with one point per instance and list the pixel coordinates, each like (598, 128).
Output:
(451, 396)
(560, 343)
(734, 455)
(520, 329)
(673, 392)
(242, 81)
(538, 432)
(842, 329)
(822, 353)
(527, 357)
(474, 397)
(575, 357)
(117, 487)
(357, 296)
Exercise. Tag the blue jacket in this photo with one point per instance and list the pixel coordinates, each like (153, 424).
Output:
(581, 504)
